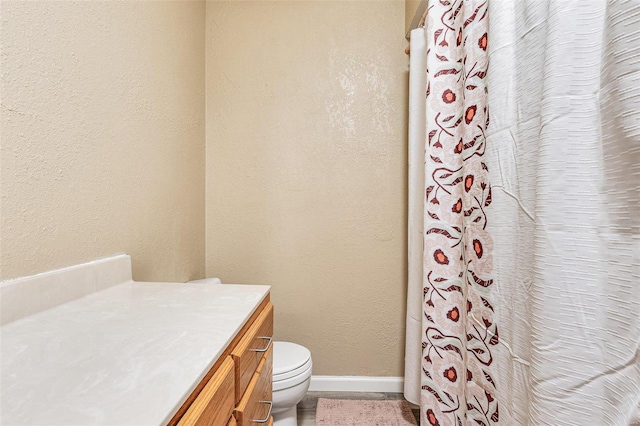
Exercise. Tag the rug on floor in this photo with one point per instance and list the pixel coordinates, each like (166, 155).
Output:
(350, 412)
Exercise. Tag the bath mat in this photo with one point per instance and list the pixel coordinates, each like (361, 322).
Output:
(347, 412)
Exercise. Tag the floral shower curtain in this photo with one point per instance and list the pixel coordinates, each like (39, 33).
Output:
(524, 274)
(459, 331)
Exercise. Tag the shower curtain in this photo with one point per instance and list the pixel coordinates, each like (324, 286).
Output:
(524, 213)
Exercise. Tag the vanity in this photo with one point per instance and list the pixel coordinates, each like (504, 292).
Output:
(87, 345)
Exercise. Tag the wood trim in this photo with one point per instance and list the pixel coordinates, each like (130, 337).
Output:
(259, 389)
(245, 360)
(215, 403)
(183, 409)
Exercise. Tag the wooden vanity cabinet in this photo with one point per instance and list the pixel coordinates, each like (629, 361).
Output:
(237, 389)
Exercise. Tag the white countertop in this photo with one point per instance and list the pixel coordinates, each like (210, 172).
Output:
(127, 355)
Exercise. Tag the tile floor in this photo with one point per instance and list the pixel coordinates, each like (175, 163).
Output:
(307, 407)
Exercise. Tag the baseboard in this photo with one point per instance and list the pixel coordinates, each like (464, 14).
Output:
(356, 384)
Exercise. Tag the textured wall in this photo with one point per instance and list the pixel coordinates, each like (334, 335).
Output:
(306, 171)
(102, 117)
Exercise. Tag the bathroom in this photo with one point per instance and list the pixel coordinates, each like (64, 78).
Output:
(261, 142)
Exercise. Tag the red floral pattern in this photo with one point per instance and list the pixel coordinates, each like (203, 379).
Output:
(460, 334)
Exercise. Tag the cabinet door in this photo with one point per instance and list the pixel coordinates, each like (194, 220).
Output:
(250, 350)
(215, 403)
(255, 406)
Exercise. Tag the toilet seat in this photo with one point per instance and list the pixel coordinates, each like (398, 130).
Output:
(291, 364)
(293, 380)
(293, 373)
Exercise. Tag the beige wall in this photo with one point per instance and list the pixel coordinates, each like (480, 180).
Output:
(306, 171)
(102, 151)
(102, 143)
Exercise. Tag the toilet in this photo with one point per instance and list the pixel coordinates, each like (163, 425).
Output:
(291, 376)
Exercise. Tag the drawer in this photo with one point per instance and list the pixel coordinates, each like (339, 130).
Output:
(215, 403)
(249, 351)
(255, 403)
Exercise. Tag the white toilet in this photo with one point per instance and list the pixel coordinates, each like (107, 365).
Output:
(291, 378)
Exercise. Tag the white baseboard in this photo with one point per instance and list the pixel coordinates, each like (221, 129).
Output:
(356, 384)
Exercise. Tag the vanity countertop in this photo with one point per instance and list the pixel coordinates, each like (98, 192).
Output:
(127, 355)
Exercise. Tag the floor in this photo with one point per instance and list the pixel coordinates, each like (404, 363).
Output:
(307, 407)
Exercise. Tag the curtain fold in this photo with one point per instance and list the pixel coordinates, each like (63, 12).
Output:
(529, 279)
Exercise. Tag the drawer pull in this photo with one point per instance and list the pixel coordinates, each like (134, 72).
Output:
(266, 419)
(270, 339)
